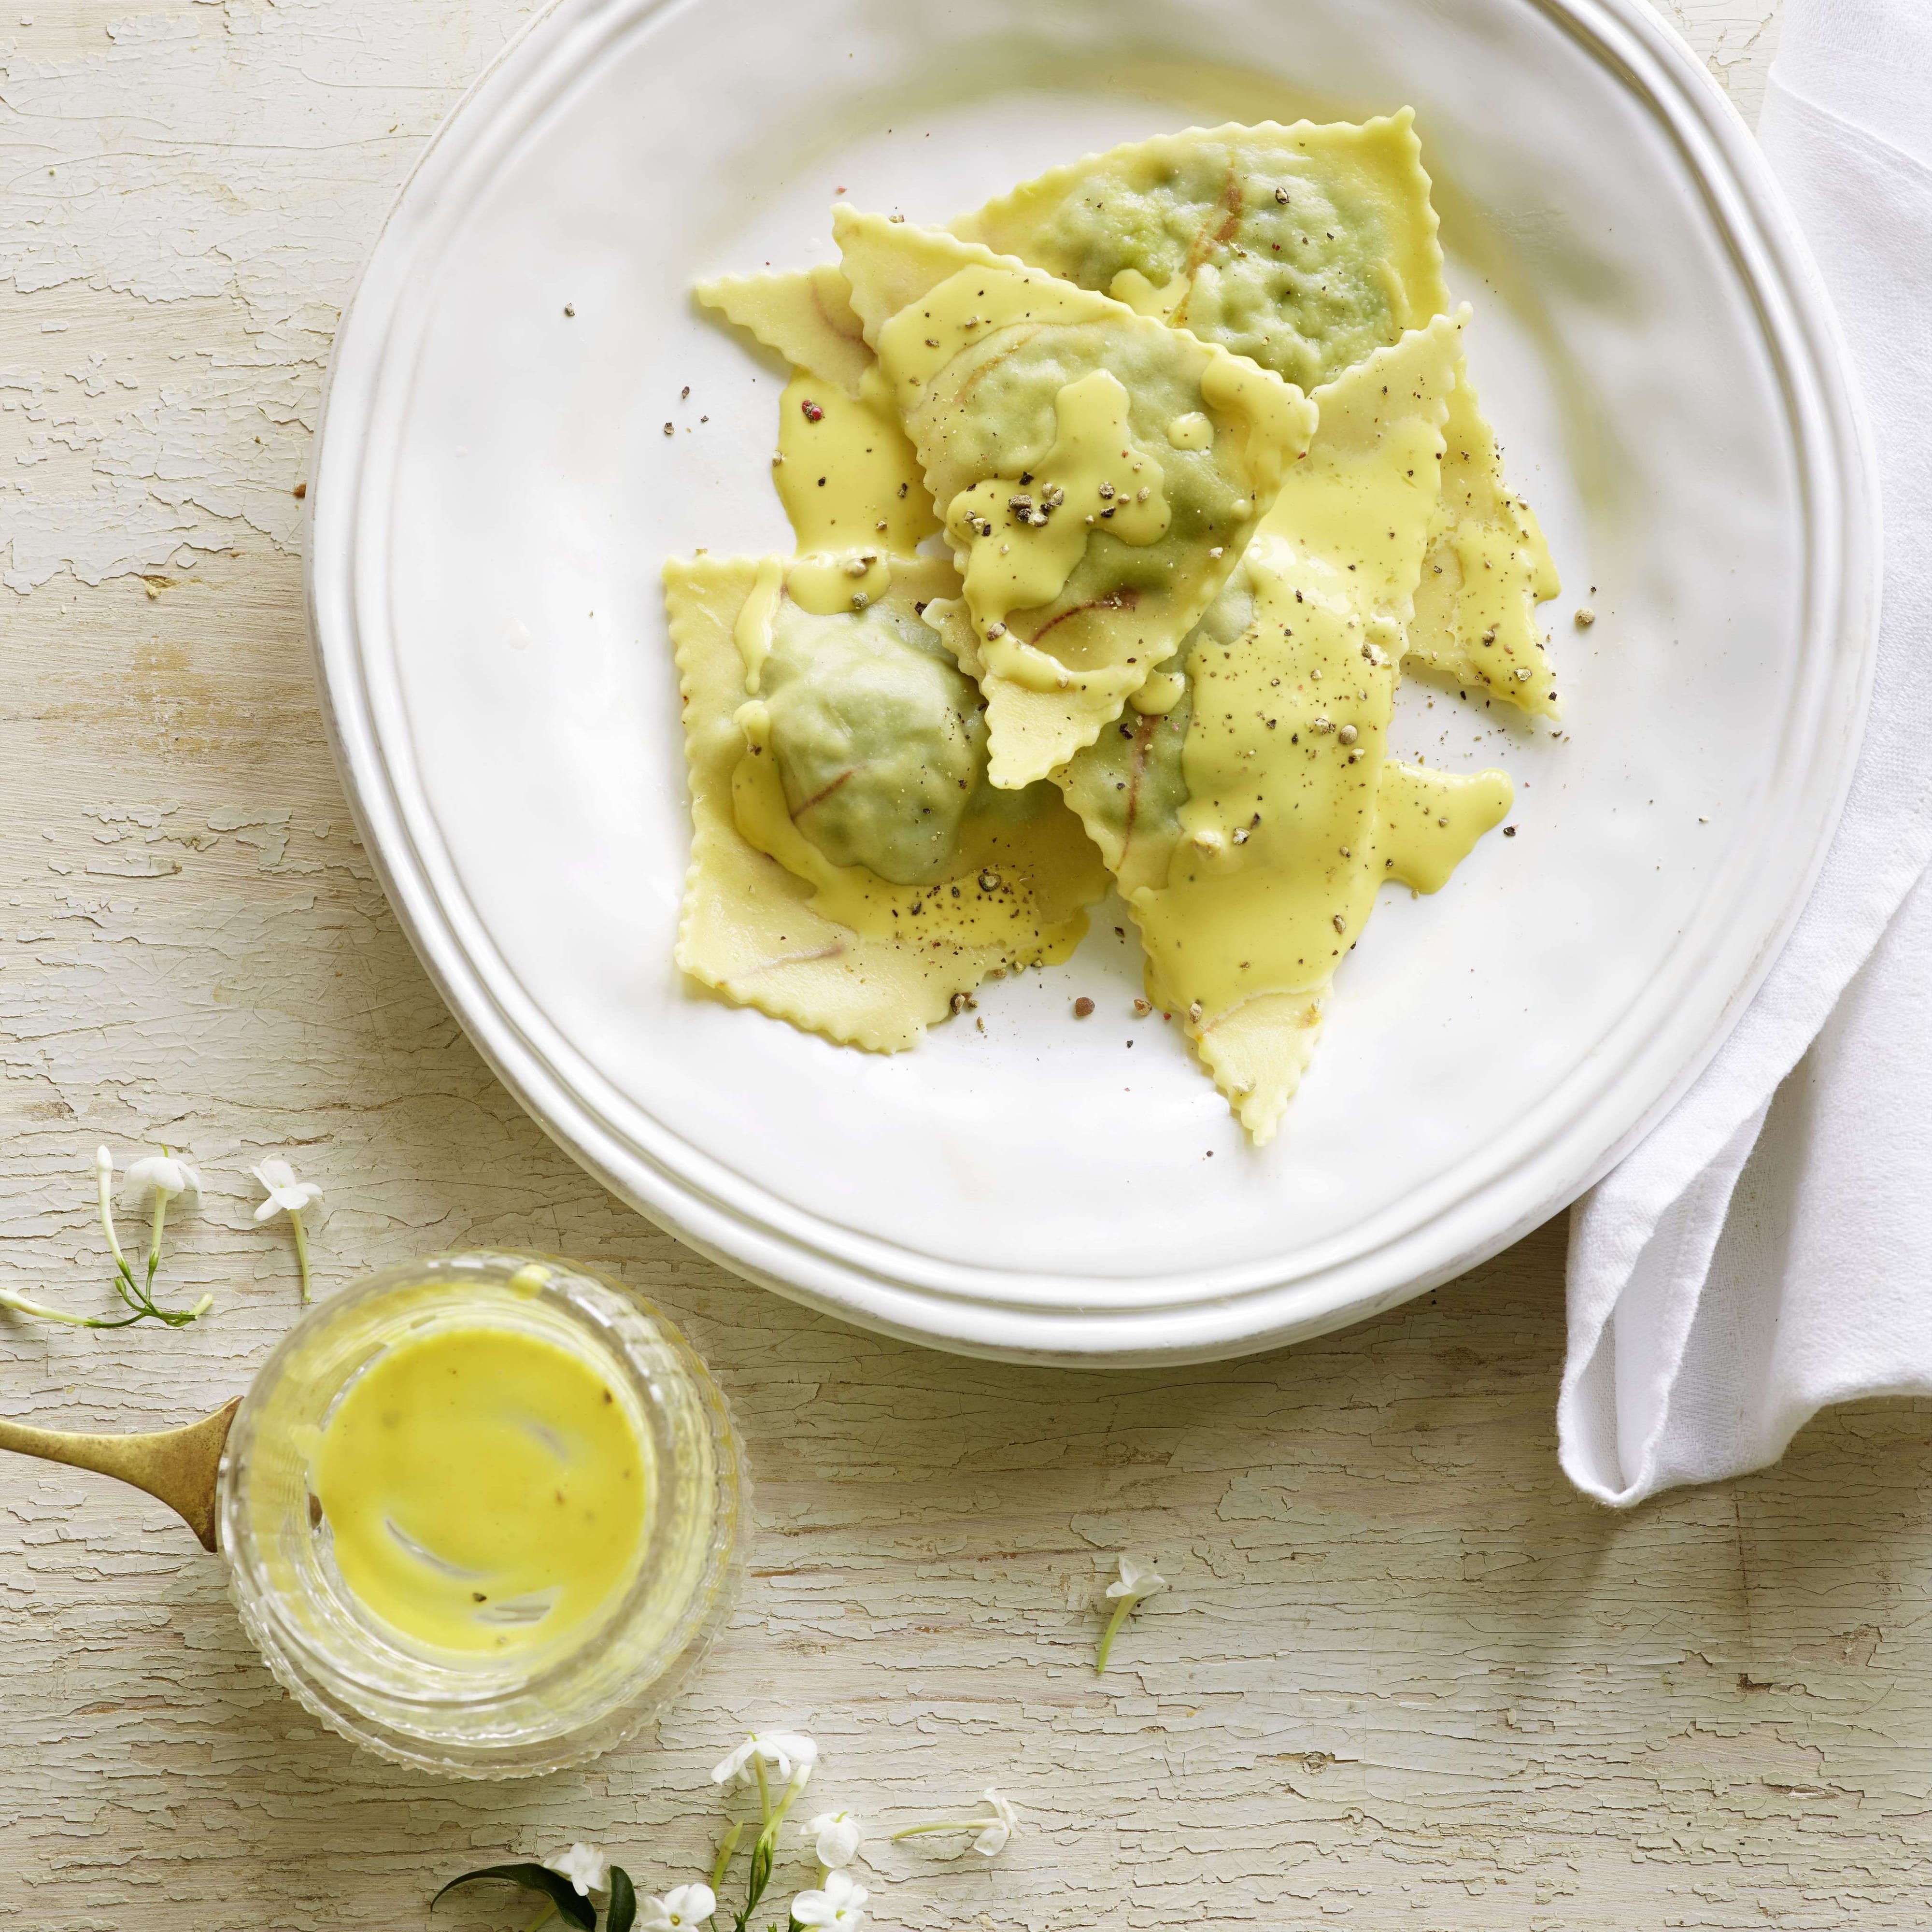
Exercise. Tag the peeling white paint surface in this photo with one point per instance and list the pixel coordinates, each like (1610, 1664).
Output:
(190, 192)
(1405, 1677)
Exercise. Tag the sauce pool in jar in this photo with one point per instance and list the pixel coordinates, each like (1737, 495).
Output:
(485, 1489)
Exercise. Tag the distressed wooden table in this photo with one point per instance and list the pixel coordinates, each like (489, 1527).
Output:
(1405, 1676)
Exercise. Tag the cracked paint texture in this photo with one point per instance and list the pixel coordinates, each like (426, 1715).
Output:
(1405, 1677)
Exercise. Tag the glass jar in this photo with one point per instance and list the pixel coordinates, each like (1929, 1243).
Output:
(486, 1716)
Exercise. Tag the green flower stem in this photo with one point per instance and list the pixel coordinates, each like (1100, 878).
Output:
(21, 1305)
(301, 1262)
(791, 1797)
(138, 1297)
(1121, 1612)
(764, 1790)
(543, 1918)
(943, 1825)
(726, 1848)
(154, 1237)
(764, 1852)
(135, 1292)
(105, 1177)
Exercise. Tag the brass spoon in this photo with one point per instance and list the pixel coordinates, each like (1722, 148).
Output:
(176, 1466)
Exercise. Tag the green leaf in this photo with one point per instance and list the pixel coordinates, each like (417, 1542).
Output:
(572, 1903)
(622, 1908)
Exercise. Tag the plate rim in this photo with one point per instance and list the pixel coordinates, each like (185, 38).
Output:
(1049, 1317)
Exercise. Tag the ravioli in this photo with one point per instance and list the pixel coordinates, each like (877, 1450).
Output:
(1099, 473)
(1304, 248)
(1487, 570)
(1163, 598)
(805, 314)
(1128, 786)
(776, 915)
(1285, 837)
(878, 738)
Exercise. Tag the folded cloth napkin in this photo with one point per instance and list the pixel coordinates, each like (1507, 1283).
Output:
(1768, 1249)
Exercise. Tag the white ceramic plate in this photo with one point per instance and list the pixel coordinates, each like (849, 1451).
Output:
(494, 494)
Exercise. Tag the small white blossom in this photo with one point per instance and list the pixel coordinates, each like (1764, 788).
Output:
(836, 1838)
(165, 1174)
(992, 1841)
(1137, 1581)
(840, 1902)
(681, 1907)
(781, 1749)
(586, 1867)
(990, 1835)
(286, 1195)
(153, 1180)
(1135, 1585)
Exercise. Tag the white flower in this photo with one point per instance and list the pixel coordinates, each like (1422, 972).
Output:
(992, 1841)
(165, 1174)
(1135, 1585)
(586, 1867)
(840, 1902)
(286, 1195)
(780, 1749)
(991, 1835)
(155, 1180)
(837, 1836)
(1137, 1581)
(681, 1907)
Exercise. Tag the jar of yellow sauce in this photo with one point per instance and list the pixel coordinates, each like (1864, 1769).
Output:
(480, 1512)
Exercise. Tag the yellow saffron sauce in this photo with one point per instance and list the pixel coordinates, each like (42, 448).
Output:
(847, 475)
(486, 1491)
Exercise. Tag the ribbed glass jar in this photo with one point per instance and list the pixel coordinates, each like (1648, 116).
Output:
(487, 1716)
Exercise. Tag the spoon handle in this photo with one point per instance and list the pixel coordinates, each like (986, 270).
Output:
(176, 1466)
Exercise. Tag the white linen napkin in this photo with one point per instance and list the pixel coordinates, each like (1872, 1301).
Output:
(1768, 1249)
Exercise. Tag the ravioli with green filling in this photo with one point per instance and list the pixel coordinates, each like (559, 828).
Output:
(1305, 248)
(1162, 597)
(852, 872)
(1128, 786)
(1099, 473)
(879, 739)
(1284, 834)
